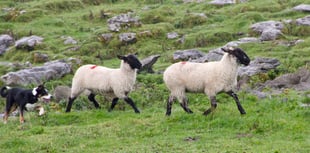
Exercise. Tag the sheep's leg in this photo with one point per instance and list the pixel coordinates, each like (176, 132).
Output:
(234, 95)
(170, 101)
(91, 97)
(70, 104)
(132, 104)
(213, 106)
(184, 105)
(114, 102)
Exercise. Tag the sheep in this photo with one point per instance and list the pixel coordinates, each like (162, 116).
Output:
(98, 79)
(210, 78)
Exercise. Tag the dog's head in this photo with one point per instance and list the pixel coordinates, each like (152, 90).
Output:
(41, 93)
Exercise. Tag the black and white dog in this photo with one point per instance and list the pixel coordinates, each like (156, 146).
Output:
(19, 97)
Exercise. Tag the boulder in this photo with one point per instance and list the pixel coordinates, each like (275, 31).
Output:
(172, 35)
(148, 62)
(302, 7)
(36, 75)
(226, 2)
(258, 65)
(116, 23)
(28, 42)
(128, 38)
(69, 40)
(5, 42)
(299, 80)
(269, 30)
(303, 21)
(187, 55)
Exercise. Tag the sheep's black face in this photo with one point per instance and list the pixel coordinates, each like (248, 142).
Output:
(132, 60)
(242, 57)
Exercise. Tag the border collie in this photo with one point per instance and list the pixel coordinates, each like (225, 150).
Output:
(19, 97)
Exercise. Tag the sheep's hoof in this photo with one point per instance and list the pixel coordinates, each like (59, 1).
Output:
(207, 112)
(137, 111)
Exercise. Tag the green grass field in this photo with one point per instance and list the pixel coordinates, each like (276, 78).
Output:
(276, 124)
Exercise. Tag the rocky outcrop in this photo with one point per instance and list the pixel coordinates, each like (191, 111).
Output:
(5, 42)
(121, 21)
(302, 7)
(36, 75)
(147, 63)
(269, 30)
(28, 42)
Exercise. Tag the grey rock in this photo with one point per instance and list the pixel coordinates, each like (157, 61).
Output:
(128, 38)
(69, 40)
(226, 2)
(299, 80)
(302, 7)
(270, 34)
(266, 25)
(303, 21)
(107, 37)
(28, 42)
(5, 42)
(40, 57)
(147, 63)
(258, 65)
(172, 35)
(269, 30)
(36, 75)
(187, 55)
(116, 23)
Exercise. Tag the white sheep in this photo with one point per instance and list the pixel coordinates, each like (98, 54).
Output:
(210, 78)
(98, 79)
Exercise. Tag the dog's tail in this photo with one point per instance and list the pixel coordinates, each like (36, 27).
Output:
(4, 91)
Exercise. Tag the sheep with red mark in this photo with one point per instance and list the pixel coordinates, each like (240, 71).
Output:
(210, 78)
(102, 80)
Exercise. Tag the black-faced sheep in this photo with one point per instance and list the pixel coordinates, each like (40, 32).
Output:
(210, 78)
(98, 79)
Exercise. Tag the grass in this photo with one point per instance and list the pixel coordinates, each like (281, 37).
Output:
(276, 124)
(268, 126)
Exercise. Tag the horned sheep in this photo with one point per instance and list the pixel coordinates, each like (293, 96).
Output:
(98, 79)
(210, 78)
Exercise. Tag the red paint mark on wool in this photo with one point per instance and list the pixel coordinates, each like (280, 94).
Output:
(183, 62)
(93, 67)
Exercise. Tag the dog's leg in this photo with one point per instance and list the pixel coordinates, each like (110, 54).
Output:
(21, 114)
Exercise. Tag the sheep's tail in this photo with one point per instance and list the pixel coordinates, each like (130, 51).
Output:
(4, 91)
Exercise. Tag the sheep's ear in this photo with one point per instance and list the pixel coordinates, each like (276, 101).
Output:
(121, 57)
(136, 53)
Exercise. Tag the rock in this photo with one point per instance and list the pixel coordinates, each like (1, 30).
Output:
(262, 26)
(172, 35)
(303, 21)
(69, 40)
(269, 30)
(28, 42)
(242, 41)
(39, 57)
(270, 34)
(193, 1)
(148, 62)
(128, 38)
(226, 2)
(122, 21)
(107, 37)
(299, 80)
(5, 42)
(36, 75)
(302, 7)
(187, 55)
(258, 65)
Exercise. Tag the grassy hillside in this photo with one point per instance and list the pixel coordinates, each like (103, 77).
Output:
(274, 124)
